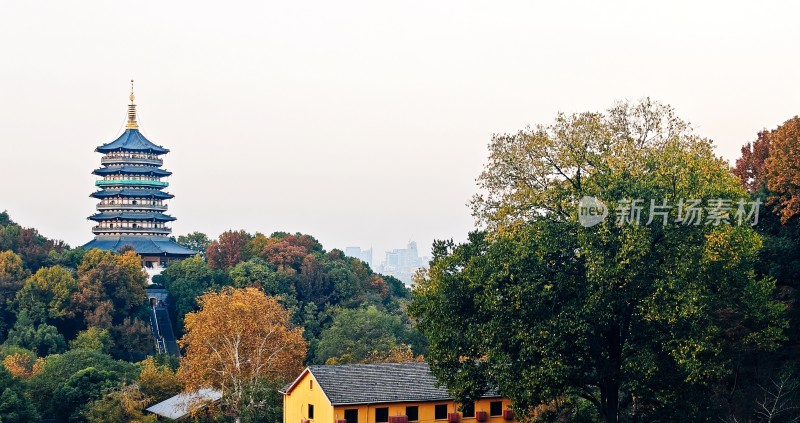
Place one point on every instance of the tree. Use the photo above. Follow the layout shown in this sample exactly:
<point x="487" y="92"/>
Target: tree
<point x="93" y="339"/>
<point x="363" y="335"/>
<point x="47" y="294"/>
<point x="396" y="354"/>
<point x="122" y="405"/>
<point x="780" y="256"/>
<point x="230" y="249"/>
<point x="35" y="248"/>
<point x="35" y="335"/>
<point x="240" y="342"/>
<point x="287" y="252"/>
<point x="65" y="383"/>
<point x="633" y="318"/>
<point x="252" y="273"/>
<point x="110" y="287"/>
<point x="19" y="364"/>
<point x="186" y="280"/>
<point x="133" y="339"/>
<point x="783" y="168"/>
<point x="751" y="167"/>
<point x="72" y="398"/>
<point x="12" y="274"/>
<point x="158" y="382"/>
<point x="15" y="404"/>
<point x="196" y="241"/>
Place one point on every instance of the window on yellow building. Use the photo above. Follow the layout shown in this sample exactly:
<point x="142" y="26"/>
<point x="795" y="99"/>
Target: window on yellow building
<point x="496" y="408"/>
<point x="468" y="409"/>
<point x="440" y="412"/>
<point x="382" y="415"/>
<point x="412" y="411"/>
<point x="351" y="415"/>
<point x="310" y="411"/>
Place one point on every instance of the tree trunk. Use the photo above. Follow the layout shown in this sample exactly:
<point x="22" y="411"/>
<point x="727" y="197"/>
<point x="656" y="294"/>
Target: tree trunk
<point x="609" y="401"/>
<point x="611" y="382"/>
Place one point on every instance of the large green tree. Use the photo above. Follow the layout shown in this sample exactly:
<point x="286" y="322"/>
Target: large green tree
<point x="65" y="383"/>
<point x="15" y="403"/>
<point x="47" y="294"/>
<point x="196" y="241"/>
<point x="355" y="335"/>
<point x="12" y="276"/>
<point x="633" y="315"/>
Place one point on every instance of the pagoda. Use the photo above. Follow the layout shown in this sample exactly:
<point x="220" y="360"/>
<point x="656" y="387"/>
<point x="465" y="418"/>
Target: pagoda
<point x="132" y="204"/>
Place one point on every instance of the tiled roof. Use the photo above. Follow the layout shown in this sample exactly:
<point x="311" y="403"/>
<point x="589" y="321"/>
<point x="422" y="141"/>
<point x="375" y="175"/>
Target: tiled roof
<point x="182" y="404"/>
<point x="380" y="383"/>
<point x="131" y="193"/>
<point x="161" y="217"/>
<point x="148" y="245"/>
<point x="131" y="140"/>
<point x="136" y="170"/>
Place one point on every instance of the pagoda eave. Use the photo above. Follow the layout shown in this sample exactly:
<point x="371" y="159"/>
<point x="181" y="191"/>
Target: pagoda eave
<point x="145" y="217"/>
<point x="138" y="193"/>
<point x="131" y="170"/>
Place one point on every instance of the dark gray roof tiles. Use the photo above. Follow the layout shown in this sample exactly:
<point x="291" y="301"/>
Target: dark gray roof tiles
<point x="146" y="245"/>
<point x="380" y="383"/>
<point x="135" y="170"/>
<point x="131" y="193"/>
<point x="131" y="140"/>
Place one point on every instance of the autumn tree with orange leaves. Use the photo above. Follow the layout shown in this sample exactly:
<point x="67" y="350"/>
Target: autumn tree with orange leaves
<point x="783" y="168"/>
<point x="772" y="162"/>
<point x="242" y="343"/>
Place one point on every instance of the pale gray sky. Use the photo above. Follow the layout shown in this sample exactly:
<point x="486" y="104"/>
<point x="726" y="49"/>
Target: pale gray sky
<point x="359" y="122"/>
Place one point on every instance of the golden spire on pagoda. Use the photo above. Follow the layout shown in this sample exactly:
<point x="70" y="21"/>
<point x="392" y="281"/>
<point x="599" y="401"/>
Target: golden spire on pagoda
<point x="132" y="112"/>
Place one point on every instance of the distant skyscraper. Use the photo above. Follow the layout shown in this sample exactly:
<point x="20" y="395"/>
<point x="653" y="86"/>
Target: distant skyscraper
<point x="357" y="252"/>
<point x="403" y="262"/>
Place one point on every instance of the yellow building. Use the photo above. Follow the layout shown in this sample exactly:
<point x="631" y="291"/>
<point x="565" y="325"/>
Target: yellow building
<point x="382" y="393"/>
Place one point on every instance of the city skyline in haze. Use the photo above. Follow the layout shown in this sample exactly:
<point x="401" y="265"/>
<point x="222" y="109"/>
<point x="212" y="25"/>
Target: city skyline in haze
<point x="359" y="123"/>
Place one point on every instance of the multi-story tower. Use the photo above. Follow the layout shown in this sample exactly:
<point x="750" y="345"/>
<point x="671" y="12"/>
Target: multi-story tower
<point x="132" y="198"/>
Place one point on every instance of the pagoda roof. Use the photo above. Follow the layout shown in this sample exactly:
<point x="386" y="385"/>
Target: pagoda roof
<point x="106" y="193"/>
<point x="132" y="216"/>
<point x="137" y="170"/>
<point x="143" y="245"/>
<point x="131" y="140"/>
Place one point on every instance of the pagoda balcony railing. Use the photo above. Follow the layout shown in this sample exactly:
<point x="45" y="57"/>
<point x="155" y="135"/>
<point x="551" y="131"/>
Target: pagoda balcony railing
<point x="115" y="230"/>
<point x="113" y="182"/>
<point x="137" y="160"/>
<point x="154" y="207"/>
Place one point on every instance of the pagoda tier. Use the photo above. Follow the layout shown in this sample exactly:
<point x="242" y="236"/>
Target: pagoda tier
<point x="132" y="200"/>
<point x="133" y="143"/>
<point x="140" y="193"/>
<point x="131" y="170"/>
<point x="133" y="216"/>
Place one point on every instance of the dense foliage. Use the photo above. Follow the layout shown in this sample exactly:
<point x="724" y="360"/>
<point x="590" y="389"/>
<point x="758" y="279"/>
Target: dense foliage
<point x="74" y="326"/>
<point x="314" y="284"/>
<point x="641" y="317"/>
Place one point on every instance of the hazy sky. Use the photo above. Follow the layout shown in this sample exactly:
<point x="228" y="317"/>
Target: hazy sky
<point x="359" y="122"/>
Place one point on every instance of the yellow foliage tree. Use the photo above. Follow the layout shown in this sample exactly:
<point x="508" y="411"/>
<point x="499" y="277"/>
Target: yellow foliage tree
<point x="238" y="343"/>
<point x="158" y="382"/>
<point x="19" y="364"/>
<point x="397" y="354"/>
<point x="122" y="405"/>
